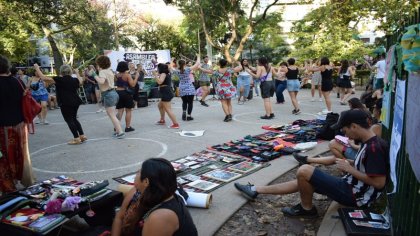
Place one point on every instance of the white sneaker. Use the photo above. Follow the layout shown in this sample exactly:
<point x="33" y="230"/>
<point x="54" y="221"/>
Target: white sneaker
<point x="46" y="122"/>
<point x="100" y="110"/>
<point x="320" y="100"/>
<point x="37" y="121"/>
<point x="313" y="100"/>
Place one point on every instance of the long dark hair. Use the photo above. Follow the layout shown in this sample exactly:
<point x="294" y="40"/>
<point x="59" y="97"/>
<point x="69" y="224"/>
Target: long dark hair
<point x="356" y="103"/>
<point x="264" y="62"/>
<point x="162" y="68"/>
<point x="344" y="66"/>
<point x="181" y="64"/>
<point x="325" y="61"/>
<point x="242" y="63"/>
<point x="162" y="183"/>
<point x="223" y="63"/>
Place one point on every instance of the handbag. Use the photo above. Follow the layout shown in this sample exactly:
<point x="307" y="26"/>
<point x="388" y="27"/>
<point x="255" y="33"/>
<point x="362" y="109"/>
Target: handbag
<point x="30" y="109"/>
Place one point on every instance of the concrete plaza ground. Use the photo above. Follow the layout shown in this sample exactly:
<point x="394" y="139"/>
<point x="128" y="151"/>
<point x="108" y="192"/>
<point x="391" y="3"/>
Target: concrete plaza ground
<point x="103" y="157"/>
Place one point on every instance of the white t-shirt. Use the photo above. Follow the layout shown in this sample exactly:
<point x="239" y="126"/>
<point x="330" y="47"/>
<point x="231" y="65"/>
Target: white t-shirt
<point x="108" y="75"/>
<point x="380" y="72"/>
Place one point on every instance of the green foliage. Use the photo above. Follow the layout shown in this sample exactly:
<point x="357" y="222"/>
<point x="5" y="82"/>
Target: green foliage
<point x="331" y="30"/>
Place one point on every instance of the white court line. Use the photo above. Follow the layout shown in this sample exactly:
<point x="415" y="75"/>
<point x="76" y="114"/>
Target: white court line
<point x="163" y="145"/>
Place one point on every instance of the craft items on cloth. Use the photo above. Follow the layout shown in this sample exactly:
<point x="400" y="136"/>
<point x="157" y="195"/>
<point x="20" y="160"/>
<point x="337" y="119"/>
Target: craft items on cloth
<point x="70" y="203"/>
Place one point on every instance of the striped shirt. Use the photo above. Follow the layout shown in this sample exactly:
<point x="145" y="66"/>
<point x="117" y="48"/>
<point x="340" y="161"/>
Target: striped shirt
<point x="372" y="159"/>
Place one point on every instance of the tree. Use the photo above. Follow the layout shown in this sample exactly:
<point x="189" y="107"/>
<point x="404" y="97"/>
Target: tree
<point x="331" y="30"/>
<point x="55" y="20"/>
<point x="227" y="24"/>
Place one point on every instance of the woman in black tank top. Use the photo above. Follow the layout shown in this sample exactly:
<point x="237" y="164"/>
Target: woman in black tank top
<point x="326" y="84"/>
<point x="153" y="203"/>
<point x="165" y="91"/>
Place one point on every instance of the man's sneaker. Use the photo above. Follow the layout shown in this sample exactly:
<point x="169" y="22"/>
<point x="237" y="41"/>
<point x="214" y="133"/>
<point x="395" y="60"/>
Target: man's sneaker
<point x="298" y="211"/>
<point x="161" y="122"/>
<point x="301" y="159"/>
<point x="129" y="129"/>
<point x="174" y="126"/>
<point x="203" y="103"/>
<point x="120" y="136"/>
<point x="246" y="191"/>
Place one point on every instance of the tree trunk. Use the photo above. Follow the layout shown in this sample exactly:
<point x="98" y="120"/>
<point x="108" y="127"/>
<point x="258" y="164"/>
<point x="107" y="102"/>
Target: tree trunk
<point x="58" y="58"/>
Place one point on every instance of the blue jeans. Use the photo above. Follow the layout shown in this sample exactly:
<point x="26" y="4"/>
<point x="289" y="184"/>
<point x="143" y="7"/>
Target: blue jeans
<point x="280" y="87"/>
<point x="257" y="86"/>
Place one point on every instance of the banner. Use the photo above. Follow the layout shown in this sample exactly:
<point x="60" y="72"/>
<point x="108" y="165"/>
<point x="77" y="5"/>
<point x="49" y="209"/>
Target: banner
<point x="386" y="108"/>
<point x="148" y="59"/>
<point x="397" y="128"/>
<point x="413" y="123"/>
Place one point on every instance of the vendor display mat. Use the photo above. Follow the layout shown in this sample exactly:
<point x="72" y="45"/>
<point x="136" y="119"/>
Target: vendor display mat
<point x="206" y="171"/>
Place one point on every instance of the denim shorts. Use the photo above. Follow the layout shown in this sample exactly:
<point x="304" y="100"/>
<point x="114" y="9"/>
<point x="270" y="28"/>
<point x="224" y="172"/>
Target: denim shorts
<point x="41" y="98"/>
<point x="110" y="98"/>
<point x="350" y="153"/>
<point x="334" y="187"/>
<point x="243" y="81"/>
<point x="293" y="85"/>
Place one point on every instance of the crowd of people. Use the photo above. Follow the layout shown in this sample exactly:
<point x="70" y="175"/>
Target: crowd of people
<point x="153" y="200"/>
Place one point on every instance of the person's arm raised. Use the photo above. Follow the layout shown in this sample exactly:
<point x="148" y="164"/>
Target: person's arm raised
<point x="132" y="82"/>
<point x="41" y="75"/>
<point x="197" y="64"/>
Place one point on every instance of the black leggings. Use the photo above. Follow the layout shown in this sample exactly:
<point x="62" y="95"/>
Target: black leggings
<point x="187" y="101"/>
<point x="70" y="116"/>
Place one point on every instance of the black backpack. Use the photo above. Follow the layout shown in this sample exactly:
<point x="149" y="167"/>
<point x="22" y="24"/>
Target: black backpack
<point x="326" y="133"/>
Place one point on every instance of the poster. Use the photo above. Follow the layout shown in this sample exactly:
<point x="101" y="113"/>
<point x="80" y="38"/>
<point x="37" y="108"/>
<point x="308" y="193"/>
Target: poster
<point x="386" y="107"/>
<point x="149" y="59"/>
<point x="397" y="128"/>
<point x="413" y="123"/>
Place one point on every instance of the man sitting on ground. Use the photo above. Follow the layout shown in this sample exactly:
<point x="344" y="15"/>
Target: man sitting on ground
<point x="362" y="184"/>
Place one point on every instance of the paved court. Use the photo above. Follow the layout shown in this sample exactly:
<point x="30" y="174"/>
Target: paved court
<point x="103" y="157"/>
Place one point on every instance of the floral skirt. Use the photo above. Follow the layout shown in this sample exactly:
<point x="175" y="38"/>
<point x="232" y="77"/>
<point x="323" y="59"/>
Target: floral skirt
<point x="225" y="90"/>
<point x="15" y="162"/>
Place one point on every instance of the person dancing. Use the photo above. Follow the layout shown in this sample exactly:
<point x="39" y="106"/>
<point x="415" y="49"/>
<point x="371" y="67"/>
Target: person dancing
<point x="109" y="95"/>
<point x="293" y="84"/>
<point x="204" y="81"/>
<point x="15" y="160"/>
<point x="186" y="87"/>
<point x="125" y="103"/>
<point x="281" y="83"/>
<point x="163" y="79"/>
<point x="265" y="73"/>
<point x="326" y="83"/>
<point x="224" y="86"/>
<point x="244" y="82"/>
<point x="344" y="83"/>
<point x="40" y="94"/>
<point x="68" y="99"/>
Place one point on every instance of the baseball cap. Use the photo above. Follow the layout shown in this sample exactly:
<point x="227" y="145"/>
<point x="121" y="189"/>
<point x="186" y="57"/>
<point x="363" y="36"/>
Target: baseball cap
<point x="356" y="116"/>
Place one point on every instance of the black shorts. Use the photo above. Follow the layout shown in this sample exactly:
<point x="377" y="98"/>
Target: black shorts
<point x="166" y="94"/>
<point x="267" y="89"/>
<point x="334" y="187"/>
<point x="344" y="83"/>
<point x="326" y="85"/>
<point x="125" y="100"/>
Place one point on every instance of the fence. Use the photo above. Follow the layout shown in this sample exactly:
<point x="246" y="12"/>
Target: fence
<point x="405" y="203"/>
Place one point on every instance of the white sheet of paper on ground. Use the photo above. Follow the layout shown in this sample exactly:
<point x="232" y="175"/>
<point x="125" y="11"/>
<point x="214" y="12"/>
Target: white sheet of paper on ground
<point x="305" y="146"/>
<point x="191" y="134"/>
<point x="129" y="178"/>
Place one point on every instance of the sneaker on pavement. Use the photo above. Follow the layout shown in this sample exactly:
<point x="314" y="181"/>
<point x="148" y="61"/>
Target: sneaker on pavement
<point x="120" y="136"/>
<point x="320" y="100"/>
<point x="100" y="110"/>
<point x="189" y="118"/>
<point x="129" y="129"/>
<point x="161" y="122"/>
<point x="45" y="122"/>
<point x="312" y="99"/>
<point x="246" y="190"/>
<point x="298" y="211"/>
<point x="174" y="126"/>
<point x="300" y="158"/>
<point x="204" y="103"/>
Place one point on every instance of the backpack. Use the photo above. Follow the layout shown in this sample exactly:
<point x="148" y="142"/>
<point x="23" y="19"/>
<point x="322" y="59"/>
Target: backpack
<point x="326" y="133"/>
<point x="30" y="108"/>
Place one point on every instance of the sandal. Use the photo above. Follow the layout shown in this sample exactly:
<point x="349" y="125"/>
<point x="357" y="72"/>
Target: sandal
<point x="82" y="138"/>
<point x="74" y="141"/>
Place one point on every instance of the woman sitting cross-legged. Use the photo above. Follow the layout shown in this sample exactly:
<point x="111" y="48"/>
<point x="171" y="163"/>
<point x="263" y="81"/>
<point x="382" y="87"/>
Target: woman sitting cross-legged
<point x="152" y="207"/>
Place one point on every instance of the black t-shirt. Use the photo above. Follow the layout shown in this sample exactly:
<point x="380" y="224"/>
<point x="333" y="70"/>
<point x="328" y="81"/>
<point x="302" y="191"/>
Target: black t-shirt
<point x="327" y="74"/>
<point x="186" y="224"/>
<point x="141" y="76"/>
<point x="66" y="89"/>
<point x="11" y="93"/>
